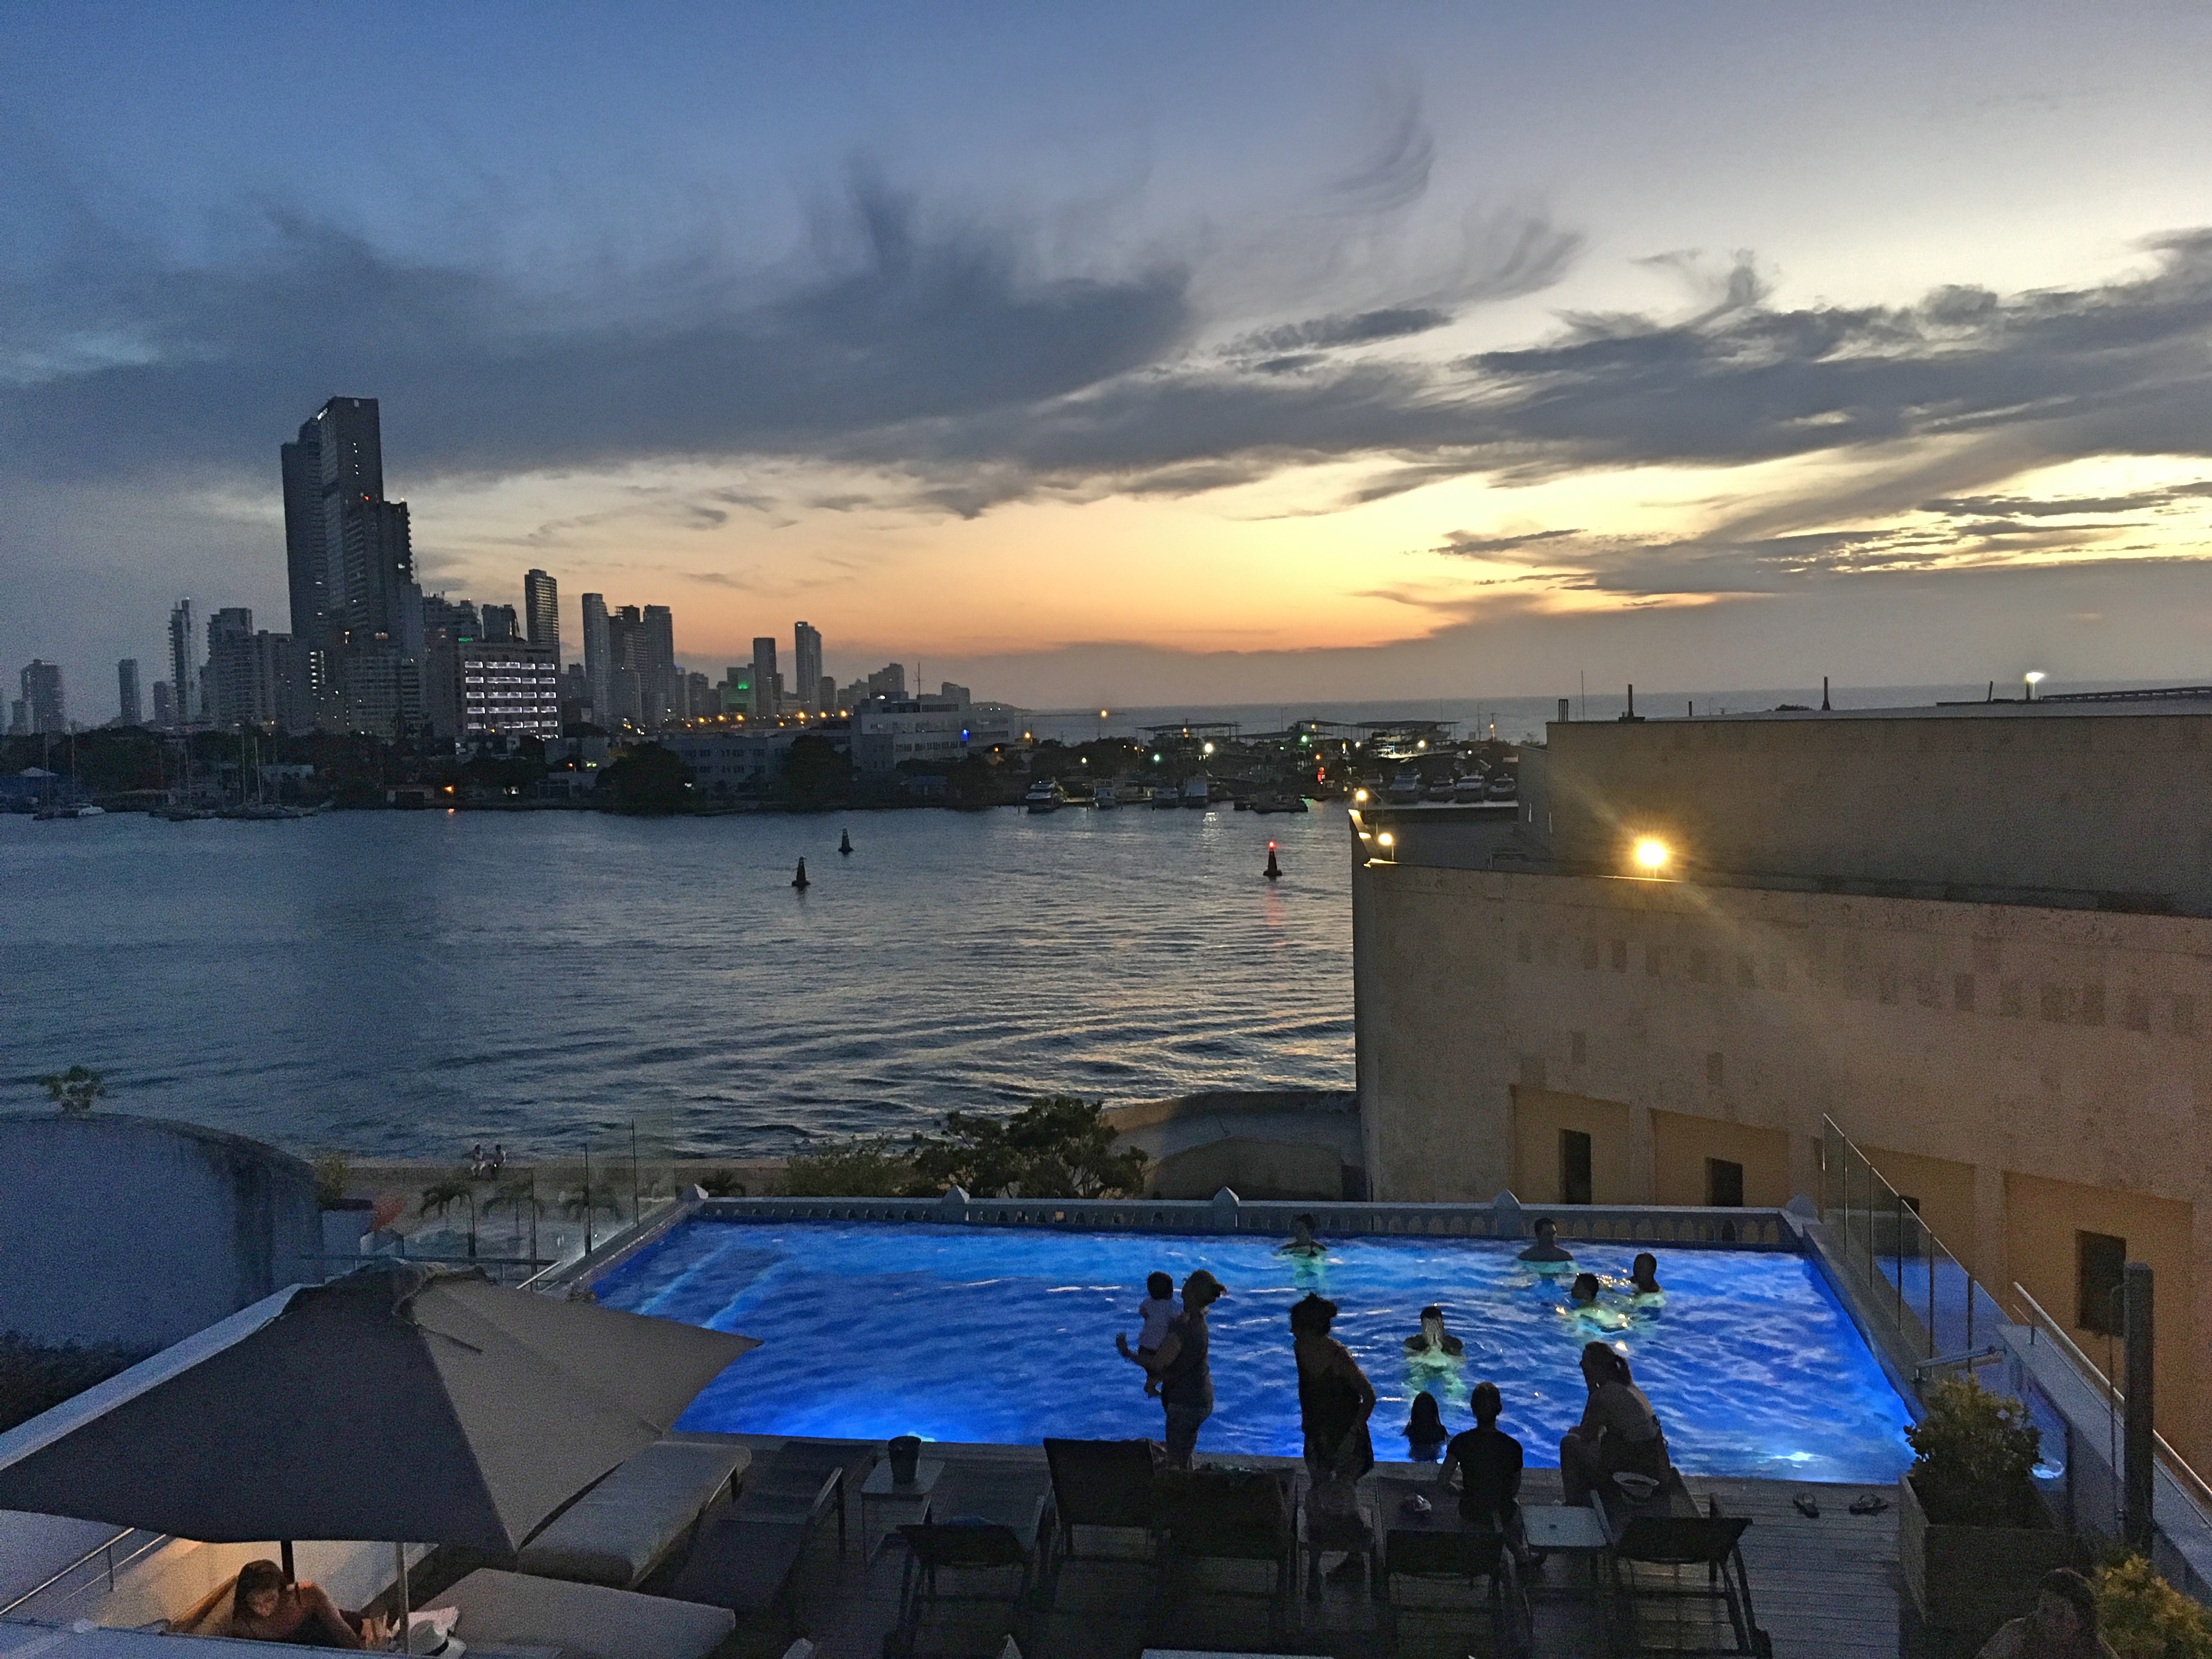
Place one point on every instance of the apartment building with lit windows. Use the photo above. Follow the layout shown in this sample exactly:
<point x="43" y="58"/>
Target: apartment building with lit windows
<point x="511" y="687"/>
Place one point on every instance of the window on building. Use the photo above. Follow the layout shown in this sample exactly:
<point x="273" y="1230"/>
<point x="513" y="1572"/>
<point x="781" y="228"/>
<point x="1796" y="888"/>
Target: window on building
<point x="1723" y="1184"/>
<point x="2101" y="1264"/>
<point x="1574" y="1167"/>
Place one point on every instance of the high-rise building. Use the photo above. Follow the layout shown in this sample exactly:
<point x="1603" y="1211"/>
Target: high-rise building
<point x="806" y="663"/>
<point x="510" y="687"/>
<point x="599" y="659"/>
<point x="184" y="672"/>
<point x="764" y="679"/>
<point x="42" y="698"/>
<point x="664" y="681"/>
<point x="541" y="611"/>
<point x="500" y="622"/>
<point x="377" y="559"/>
<point x="349" y="553"/>
<point x="165" y="704"/>
<point x="825" y="695"/>
<point x="129" y="712"/>
<point x="889" y="682"/>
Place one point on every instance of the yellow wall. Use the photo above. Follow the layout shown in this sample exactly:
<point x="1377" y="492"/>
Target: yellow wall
<point x="1946" y="1191"/>
<point x="1539" y="1114"/>
<point x="2041" y="1219"/>
<point x="1680" y="1145"/>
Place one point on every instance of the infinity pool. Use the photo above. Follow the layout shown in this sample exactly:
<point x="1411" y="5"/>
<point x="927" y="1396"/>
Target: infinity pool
<point x="1007" y="1335"/>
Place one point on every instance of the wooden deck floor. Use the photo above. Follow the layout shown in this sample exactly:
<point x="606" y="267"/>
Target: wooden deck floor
<point x="1825" y="1589"/>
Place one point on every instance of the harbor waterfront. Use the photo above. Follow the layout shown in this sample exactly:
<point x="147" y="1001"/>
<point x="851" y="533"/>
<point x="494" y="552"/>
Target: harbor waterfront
<point x="403" y="985"/>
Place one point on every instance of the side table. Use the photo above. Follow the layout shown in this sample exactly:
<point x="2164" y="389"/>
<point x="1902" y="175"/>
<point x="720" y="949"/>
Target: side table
<point x="902" y="1504"/>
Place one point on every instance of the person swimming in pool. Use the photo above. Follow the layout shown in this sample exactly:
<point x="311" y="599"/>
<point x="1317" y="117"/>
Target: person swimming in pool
<point x="1643" y="1276"/>
<point x="1432" y="1342"/>
<point x="1545" y="1255"/>
<point x="1302" y="1241"/>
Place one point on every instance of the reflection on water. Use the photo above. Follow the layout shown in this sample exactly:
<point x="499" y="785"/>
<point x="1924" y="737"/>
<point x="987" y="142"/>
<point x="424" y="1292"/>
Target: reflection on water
<point x="408" y="983"/>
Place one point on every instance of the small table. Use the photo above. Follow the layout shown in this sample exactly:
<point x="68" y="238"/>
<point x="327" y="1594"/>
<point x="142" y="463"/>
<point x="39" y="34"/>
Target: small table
<point x="1558" y="1527"/>
<point x="907" y="1503"/>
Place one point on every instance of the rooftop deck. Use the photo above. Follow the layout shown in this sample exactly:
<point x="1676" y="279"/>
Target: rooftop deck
<point x="1824" y="1587"/>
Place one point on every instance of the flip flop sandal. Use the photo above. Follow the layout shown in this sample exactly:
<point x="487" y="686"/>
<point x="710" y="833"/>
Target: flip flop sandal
<point x="1871" y="1505"/>
<point x="1806" y="1507"/>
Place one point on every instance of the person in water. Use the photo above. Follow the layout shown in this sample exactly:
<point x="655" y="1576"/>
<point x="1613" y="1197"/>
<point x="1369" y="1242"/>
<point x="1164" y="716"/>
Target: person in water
<point x="1302" y="1241"/>
<point x="1487" y="1462"/>
<point x="1432" y="1340"/>
<point x="1179" y="1365"/>
<point x="265" y="1608"/>
<point x="1335" y="1399"/>
<point x="1546" y="1247"/>
<point x="1619" y="1433"/>
<point x="1582" y="1293"/>
<point x="1643" y="1275"/>
<point x="1157" y="1312"/>
<point x="2062" y="1626"/>
<point x="1424" y="1430"/>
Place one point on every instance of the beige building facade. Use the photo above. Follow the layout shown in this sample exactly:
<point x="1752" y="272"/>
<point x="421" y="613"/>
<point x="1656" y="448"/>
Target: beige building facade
<point x="2033" y="1073"/>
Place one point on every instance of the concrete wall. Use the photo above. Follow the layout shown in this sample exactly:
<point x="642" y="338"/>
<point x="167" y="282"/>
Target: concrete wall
<point x="135" y="1232"/>
<point x="2118" y="803"/>
<point x="1993" y="1046"/>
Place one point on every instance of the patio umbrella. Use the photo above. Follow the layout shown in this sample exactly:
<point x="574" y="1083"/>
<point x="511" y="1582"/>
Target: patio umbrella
<point x="399" y="1402"/>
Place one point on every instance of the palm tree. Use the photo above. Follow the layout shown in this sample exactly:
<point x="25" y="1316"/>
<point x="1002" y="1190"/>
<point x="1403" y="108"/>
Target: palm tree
<point x="75" y="1090"/>
<point x="442" y="1195"/>
<point x="517" y="1194"/>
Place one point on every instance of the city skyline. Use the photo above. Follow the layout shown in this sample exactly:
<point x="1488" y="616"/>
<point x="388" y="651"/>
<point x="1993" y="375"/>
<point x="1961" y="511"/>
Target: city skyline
<point x="1196" y="361"/>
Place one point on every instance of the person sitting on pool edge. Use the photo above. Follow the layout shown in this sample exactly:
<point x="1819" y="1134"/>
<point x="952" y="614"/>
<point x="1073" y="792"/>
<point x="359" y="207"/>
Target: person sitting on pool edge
<point x="1488" y="1462"/>
<point x="1432" y="1340"/>
<point x="264" y="1608"/>
<point x="1619" y="1433"/>
<point x="1643" y="1275"/>
<point x="1546" y="1247"/>
<point x="1186" y="1380"/>
<point x="1425" y="1429"/>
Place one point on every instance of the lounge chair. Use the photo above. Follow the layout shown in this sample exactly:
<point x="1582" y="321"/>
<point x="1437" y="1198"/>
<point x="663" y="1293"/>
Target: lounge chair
<point x="617" y="1533"/>
<point x="583" y="1621"/>
<point x="1468" y="1555"/>
<point x="1673" y="1542"/>
<point x="1102" y="1486"/>
<point x="987" y="1524"/>
<point x="744" y="1558"/>
<point x="1233" y="1515"/>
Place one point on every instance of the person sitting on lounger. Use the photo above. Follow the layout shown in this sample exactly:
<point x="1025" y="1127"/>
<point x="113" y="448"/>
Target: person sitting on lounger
<point x="1487" y="1462"/>
<point x="1546" y="1251"/>
<point x="264" y="1608"/>
<point x="1619" y="1433"/>
<point x="1432" y="1342"/>
<point x="1643" y="1275"/>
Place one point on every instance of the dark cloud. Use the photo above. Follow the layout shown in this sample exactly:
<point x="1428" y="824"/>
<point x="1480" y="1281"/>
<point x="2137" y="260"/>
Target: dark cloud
<point x="1470" y="545"/>
<point x="1324" y="332"/>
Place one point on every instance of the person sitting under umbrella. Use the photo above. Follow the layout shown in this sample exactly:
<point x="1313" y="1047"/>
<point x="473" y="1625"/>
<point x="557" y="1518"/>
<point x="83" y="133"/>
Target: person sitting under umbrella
<point x="264" y="1608"/>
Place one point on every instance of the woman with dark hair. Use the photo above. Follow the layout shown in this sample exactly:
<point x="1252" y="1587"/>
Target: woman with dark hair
<point x="265" y="1608"/>
<point x="1335" y="1399"/>
<point x="2062" y="1626"/>
<point x="1619" y="1433"/>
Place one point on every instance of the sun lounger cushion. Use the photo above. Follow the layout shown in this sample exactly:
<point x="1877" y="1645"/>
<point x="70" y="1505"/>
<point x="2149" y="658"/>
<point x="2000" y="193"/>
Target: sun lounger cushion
<point x="584" y="1621"/>
<point x="615" y="1532"/>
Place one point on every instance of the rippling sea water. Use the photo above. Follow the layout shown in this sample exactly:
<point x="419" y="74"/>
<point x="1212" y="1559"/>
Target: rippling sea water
<point x="404" y="984"/>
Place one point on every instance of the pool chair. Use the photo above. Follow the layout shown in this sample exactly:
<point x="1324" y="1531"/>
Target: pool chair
<point x="1450" y="1555"/>
<point x="582" y="1621"/>
<point x="1102" y="1486"/>
<point x="983" y="1553"/>
<point x="621" y="1529"/>
<point x="1651" y="1555"/>
<point x="1232" y="1515"/>
<point x="746" y="1558"/>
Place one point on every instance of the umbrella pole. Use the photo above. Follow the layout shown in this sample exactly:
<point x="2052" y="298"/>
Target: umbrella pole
<point x="399" y="1554"/>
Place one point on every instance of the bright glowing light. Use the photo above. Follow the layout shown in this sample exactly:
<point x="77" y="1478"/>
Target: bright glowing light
<point x="1423" y="743"/>
<point x="1102" y="713"/>
<point x="1209" y="748"/>
<point x="1651" y="854"/>
<point x="1360" y="796"/>
<point x="2034" y="676"/>
<point x="1384" y="838"/>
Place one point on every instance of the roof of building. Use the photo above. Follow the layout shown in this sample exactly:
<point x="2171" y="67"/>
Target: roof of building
<point x="2161" y="700"/>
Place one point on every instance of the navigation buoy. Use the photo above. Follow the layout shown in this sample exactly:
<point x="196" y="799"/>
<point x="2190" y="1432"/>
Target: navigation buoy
<point x="1274" y="870"/>
<point x="845" y="842"/>
<point x="800" y="880"/>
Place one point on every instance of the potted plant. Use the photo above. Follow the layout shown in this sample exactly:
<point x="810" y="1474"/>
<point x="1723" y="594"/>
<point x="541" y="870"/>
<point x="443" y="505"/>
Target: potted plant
<point x="2140" y="1616"/>
<point x="1972" y="1536"/>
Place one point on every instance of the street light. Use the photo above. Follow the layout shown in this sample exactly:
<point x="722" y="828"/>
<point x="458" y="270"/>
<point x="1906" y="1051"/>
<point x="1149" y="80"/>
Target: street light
<point x="2034" y="677"/>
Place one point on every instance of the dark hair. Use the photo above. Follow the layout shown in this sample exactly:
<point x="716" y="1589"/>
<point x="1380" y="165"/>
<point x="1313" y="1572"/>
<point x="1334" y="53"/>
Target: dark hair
<point x="1313" y="1314"/>
<point x="2071" y="1587"/>
<point x="1636" y="1266"/>
<point x="1484" y="1400"/>
<point x="1307" y="1221"/>
<point x="1433" y="1312"/>
<point x="1160" y="1286"/>
<point x="1425" y="1415"/>
<point x="1543" y="1221"/>
<point x="1609" y="1363"/>
<point x="1584" y="1285"/>
<point x="254" y="1577"/>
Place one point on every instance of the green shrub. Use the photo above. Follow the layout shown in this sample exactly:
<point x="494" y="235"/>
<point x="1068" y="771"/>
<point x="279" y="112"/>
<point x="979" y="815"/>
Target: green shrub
<point x="2143" y="1617"/>
<point x="722" y="1183"/>
<point x="1974" y="1454"/>
<point x="1058" y="1146"/>
<point x="856" y="1168"/>
<point x="333" y="1175"/>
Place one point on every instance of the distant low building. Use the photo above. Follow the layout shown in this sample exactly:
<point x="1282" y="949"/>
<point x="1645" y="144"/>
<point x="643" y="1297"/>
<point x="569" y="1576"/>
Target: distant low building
<point x="936" y="730"/>
<point x="739" y="762"/>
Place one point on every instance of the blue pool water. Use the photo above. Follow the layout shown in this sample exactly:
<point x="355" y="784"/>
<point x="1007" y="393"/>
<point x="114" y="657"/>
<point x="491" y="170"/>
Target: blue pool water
<point x="1007" y="1335"/>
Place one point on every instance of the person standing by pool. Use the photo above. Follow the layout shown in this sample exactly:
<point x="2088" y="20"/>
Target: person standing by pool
<point x="1186" y="1382"/>
<point x="1157" y="1310"/>
<point x="1335" y="1399"/>
<point x="1619" y="1433"/>
<point x="1546" y="1250"/>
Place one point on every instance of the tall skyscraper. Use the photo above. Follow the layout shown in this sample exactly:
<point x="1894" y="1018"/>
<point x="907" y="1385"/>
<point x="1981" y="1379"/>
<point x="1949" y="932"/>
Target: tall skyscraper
<point x="806" y="663"/>
<point x="42" y="698"/>
<point x="129" y="711"/>
<point x="349" y="553"/>
<point x="184" y="672"/>
<point x="764" y="677"/>
<point x="599" y="659"/>
<point x="663" y="681"/>
<point x="500" y="623"/>
<point x="541" y="611"/>
<point x="165" y="705"/>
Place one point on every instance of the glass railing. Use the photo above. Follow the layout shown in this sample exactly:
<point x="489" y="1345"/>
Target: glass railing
<point x="1905" y="1272"/>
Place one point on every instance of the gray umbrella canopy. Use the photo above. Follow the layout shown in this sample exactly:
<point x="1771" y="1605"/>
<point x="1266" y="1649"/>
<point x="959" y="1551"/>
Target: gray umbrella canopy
<point x="399" y="1402"/>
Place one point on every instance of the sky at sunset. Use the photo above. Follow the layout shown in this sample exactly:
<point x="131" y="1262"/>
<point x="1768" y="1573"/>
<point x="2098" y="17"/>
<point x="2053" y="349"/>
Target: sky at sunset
<point x="1139" y="353"/>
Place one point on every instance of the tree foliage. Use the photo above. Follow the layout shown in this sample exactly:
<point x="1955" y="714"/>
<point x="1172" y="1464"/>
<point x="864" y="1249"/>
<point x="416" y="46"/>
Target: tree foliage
<point x="854" y="1168"/>
<point x="649" y="779"/>
<point x="1058" y="1146"/>
<point x="815" y="774"/>
<point x="74" y="1090"/>
<point x="1974" y="1452"/>
<point x="2143" y="1617"/>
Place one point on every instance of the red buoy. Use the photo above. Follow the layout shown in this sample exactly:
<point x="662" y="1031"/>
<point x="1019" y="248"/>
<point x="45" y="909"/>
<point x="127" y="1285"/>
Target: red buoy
<point x="1274" y="870"/>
